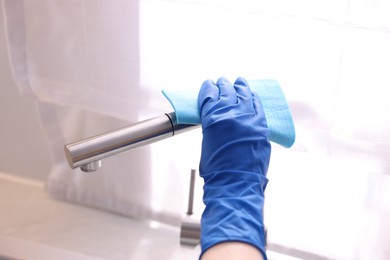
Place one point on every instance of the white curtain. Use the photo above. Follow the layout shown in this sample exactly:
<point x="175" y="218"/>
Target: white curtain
<point x="96" y="65"/>
<point x="80" y="61"/>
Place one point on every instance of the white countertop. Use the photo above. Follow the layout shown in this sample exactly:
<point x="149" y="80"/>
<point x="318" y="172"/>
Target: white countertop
<point x="49" y="229"/>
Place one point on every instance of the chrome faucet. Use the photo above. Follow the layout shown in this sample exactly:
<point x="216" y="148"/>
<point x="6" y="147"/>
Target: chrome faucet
<point x="88" y="153"/>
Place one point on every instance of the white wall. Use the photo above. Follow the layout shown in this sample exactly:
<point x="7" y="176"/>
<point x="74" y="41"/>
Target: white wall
<point x="23" y="150"/>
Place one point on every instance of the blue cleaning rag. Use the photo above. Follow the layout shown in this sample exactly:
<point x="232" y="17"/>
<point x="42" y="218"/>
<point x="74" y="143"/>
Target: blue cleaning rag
<point x="276" y="109"/>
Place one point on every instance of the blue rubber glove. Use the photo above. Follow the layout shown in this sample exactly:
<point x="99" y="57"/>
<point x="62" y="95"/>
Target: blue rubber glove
<point x="234" y="163"/>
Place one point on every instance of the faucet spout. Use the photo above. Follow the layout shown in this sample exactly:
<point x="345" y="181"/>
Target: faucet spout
<point x="87" y="153"/>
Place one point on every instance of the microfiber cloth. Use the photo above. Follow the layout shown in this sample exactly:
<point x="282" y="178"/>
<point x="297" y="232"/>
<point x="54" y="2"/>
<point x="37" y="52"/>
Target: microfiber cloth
<point x="276" y="109"/>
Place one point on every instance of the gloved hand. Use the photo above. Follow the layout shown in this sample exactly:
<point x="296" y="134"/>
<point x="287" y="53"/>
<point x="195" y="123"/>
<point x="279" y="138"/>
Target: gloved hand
<point x="234" y="163"/>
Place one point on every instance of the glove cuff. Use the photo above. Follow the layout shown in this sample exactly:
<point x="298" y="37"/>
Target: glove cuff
<point x="234" y="209"/>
